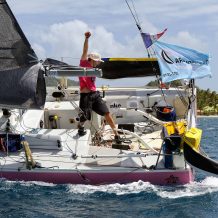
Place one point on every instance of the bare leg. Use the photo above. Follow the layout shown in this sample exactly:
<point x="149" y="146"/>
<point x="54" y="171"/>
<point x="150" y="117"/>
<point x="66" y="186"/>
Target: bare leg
<point x="110" y="121"/>
<point x="80" y="124"/>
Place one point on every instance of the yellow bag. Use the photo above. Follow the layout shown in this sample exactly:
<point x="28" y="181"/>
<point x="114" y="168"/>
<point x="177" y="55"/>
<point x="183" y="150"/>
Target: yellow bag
<point x="175" y="127"/>
<point x="193" y="138"/>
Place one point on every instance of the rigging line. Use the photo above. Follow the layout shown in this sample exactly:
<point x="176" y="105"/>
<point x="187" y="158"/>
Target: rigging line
<point x="22" y="124"/>
<point x="69" y="149"/>
<point x="82" y="175"/>
<point x="137" y="24"/>
<point x="181" y="96"/>
<point x="103" y="162"/>
<point x="17" y="161"/>
<point x="55" y="161"/>
<point x="135" y="12"/>
<point x="13" y="127"/>
<point x="79" y="110"/>
<point x="163" y="94"/>
<point x="152" y="51"/>
<point x="139" y="27"/>
<point x="76" y="107"/>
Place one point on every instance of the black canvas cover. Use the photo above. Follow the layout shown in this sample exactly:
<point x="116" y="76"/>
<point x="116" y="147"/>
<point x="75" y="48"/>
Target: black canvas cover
<point x="15" y="50"/>
<point x="22" y="84"/>
<point x="117" y="68"/>
<point x="22" y="88"/>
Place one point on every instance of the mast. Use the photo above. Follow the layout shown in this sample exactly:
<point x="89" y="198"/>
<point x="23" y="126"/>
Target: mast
<point x="135" y="17"/>
<point x="137" y="24"/>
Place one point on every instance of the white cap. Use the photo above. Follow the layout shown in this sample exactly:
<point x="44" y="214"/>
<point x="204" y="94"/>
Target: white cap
<point x="95" y="56"/>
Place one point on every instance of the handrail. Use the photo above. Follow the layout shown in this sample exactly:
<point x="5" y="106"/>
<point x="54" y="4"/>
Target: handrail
<point x="74" y="72"/>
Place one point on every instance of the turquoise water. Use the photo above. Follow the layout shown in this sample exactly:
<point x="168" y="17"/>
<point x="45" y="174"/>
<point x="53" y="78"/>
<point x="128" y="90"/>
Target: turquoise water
<point x="138" y="199"/>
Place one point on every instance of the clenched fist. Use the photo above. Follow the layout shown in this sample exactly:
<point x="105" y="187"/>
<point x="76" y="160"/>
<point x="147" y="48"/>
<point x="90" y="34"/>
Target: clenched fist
<point x="87" y="34"/>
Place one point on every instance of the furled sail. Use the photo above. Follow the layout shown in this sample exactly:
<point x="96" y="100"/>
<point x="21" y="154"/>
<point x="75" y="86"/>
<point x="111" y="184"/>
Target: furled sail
<point x="15" y="50"/>
<point x="117" y="68"/>
<point x="22" y="84"/>
<point x="23" y="87"/>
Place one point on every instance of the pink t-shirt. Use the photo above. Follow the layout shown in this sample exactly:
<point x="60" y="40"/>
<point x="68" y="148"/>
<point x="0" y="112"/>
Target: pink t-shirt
<point x="84" y="81"/>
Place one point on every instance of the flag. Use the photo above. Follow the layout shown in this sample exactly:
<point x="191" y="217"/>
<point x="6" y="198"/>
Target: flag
<point x="177" y="62"/>
<point x="150" y="39"/>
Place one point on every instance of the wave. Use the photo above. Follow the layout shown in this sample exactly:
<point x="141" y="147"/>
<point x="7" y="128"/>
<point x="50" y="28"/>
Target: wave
<point x="7" y="184"/>
<point x="208" y="185"/>
<point x="118" y="189"/>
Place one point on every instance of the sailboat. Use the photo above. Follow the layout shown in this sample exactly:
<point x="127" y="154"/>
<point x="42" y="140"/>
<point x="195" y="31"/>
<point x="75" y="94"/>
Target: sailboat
<point x="39" y="139"/>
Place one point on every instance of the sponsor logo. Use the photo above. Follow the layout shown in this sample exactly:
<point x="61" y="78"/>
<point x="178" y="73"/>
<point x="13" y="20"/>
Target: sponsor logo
<point x="115" y="105"/>
<point x="179" y="60"/>
<point x="166" y="57"/>
<point x="172" y="179"/>
<point x="170" y="74"/>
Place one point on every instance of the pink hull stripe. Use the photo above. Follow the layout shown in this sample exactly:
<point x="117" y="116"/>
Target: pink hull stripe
<point x="154" y="177"/>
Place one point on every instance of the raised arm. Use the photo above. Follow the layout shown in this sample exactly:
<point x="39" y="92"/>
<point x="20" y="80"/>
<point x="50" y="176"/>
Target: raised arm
<point x="85" y="46"/>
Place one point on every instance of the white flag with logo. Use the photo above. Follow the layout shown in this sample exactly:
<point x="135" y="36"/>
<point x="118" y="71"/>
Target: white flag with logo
<point x="177" y="62"/>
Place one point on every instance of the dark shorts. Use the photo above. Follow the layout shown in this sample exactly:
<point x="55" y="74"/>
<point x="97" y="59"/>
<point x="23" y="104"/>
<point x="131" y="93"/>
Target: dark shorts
<point x="91" y="102"/>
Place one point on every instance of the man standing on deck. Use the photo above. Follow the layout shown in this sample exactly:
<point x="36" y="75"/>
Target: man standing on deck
<point x="90" y="99"/>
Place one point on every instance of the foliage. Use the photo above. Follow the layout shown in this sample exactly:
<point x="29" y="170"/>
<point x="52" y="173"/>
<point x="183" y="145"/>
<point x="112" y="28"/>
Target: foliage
<point x="207" y="101"/>
<point x="175" y="83"/>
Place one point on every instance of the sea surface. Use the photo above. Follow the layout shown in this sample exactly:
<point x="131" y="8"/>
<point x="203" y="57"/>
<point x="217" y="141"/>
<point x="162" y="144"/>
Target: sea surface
<point x="138" y="199"/>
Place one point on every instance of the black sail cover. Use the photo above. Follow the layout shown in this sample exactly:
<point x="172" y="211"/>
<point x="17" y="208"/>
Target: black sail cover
<point x="22" y="88"/>
<point x="22" y="84"/>
<point x="117" y="68"/>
